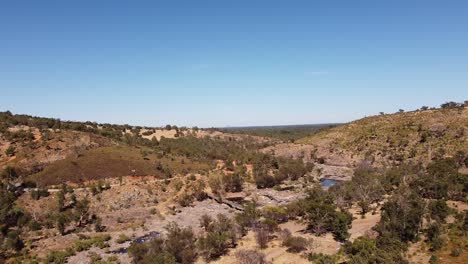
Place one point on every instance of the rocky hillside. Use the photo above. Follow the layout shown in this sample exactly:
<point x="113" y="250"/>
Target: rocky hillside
<point x="418" y="136"/>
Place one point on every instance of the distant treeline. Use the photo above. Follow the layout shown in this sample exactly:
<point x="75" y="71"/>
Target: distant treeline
<point x="285" y="133"/>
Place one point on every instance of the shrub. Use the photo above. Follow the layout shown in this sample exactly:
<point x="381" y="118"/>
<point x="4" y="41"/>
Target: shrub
<point x="198" y="189"/>
<point x="232" y="182"/>
<point x="185" y="199"/>
<point x="98" y="227"/>
<point x="366" y="250"/>
<point x="434" y="260"/>
<point x="122" y="239"/>
<point x="322" y="258"/>
<point x="433" y="237"/>
<point x="262" y="236"/>
<point x="263" y="180"/>
<point x="10" y="151"/>
<point x="59" y="257"/>
<point x="340" y="225"/>
<point x="276" y="213"/>
<point x="296" y="244"/>
<point x="248" y="217"/>
<point x="220" y="235"/>
<point x="9" y="173"/>
<point x="180" y="242"/>
<point x="159" y="258"/>
<point x="456" y="252"/>
<point x="321" y="215"/>
<point x="13" y="241"/>
<point x="40" y="192"/>
<point x="403" y="203"/>
<point x="87" y="243"/>
<point x="244" y="256"/>
<point x="438" y="210"/>
<point x="205" y="221"/>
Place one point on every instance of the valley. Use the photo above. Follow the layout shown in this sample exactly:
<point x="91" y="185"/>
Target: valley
<point x="391" y="188"/>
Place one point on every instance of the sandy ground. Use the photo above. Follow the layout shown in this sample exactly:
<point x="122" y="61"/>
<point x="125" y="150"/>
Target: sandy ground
<point x="416" y="255"/>
<point x="274" y="253"/>
<point x="362" y="226"/>
<point x="158" y="133"/>
<point x="457" y="205"/>
<point x="188" y="217"/>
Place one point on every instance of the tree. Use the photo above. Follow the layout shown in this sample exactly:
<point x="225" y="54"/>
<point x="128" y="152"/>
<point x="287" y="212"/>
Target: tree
<point x="319" y="211"/>
<point x="247" y="218"/>
<point x="61" y="223"/>
<point x="232" y="182"/>
<point x="292" y="169"/>
<point x="433" y="234"/>
<point x="438" y="210"/>
<point x="177" y="247"/>
<point x="402" y="216"/>
<point x="6" y="205"/>
<point x="219" y="236"/>
<point x="365" y="250"/>
<point x="449" y="105"/>
<point x="366" y="188"/>
<point x="340" y="225"/>
<point x="81" y="212"/>
<point x="180" y="242"/>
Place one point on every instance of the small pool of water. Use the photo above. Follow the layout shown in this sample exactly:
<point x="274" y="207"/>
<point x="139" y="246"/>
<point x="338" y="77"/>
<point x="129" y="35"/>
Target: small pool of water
<point x="327" y="182"/>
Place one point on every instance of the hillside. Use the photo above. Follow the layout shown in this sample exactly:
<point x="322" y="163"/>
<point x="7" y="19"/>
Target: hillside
<point x="76" y="192"/>
<point x="289" y="133"/>
<point x="418" y="136"/>
<point x="49" y="151"/>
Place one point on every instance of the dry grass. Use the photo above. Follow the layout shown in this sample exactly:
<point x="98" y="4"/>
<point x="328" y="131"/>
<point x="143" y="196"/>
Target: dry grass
<point x="110" y="162"/>
<point x="398" y="136"/>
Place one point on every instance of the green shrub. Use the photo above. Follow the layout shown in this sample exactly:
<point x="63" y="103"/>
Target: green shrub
<point x="279" y="214"/>
<point x="122" y="239"/>
<point x="296" y="244"/>
<point x="10" y="151"/>
<point x="220" y="235"/>
<point x="59" y="257"/>
<point x="322" y="258"/>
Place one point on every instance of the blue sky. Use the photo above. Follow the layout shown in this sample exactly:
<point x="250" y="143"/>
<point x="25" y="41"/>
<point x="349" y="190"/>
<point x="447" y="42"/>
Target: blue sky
<point x="230" y="63"/>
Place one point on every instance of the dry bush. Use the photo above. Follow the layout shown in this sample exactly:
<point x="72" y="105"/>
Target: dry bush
<point x="296" y="244"/>
<point x="262" y="236"/>
<point x="244" y="256"/>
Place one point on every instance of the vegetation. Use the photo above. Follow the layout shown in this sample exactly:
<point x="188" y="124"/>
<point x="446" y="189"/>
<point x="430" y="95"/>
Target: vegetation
<point x="414" y="170"/>
<point x="417" y="136"/>
<point x="177" y="247"/>
<point x="284" y="133"/>
<point x="219" y="236"/>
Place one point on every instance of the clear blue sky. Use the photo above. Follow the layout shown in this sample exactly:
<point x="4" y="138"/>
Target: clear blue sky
<point x="219" y="63"/>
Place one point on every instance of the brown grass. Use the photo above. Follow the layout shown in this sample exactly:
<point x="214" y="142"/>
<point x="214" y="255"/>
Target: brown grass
<point x="110" y="162"/>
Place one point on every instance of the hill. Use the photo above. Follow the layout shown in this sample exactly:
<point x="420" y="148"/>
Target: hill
<point x="50" y="151"/>
<point x="418" y="136"/>
<point x="288" y="133"/>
